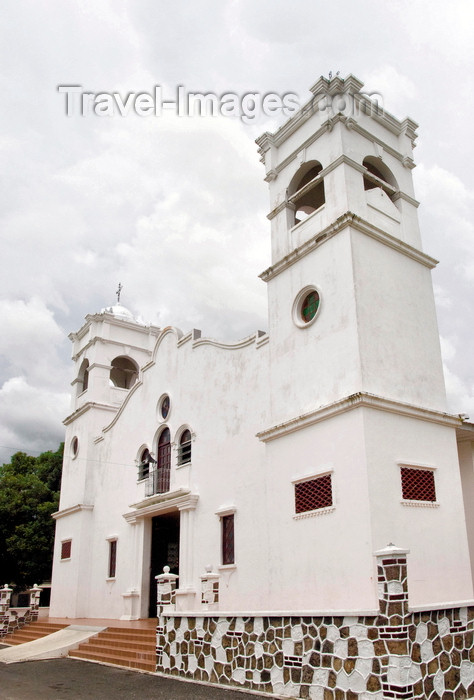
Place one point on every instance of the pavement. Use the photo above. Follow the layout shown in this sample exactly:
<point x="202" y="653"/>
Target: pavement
<point x="71" y="679"/>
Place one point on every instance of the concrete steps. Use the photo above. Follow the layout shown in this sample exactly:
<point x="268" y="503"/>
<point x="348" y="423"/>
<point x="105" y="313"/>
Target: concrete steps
<point x="131" y="648"/>
<point x="30" y="632"/>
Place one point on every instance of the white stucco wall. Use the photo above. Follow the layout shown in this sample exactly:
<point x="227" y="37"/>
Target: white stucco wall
<point x="318" y="364"/>
<point x="324" y="561"/>
<point x="439" y="568"/>
<point x="205" y="384"/>
<point x="466" y="463"/>
<point x="355" y="393"/>
<point x="397" y="327"/>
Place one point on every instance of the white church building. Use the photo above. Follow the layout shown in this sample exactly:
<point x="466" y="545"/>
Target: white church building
<point x="306" y="486"/>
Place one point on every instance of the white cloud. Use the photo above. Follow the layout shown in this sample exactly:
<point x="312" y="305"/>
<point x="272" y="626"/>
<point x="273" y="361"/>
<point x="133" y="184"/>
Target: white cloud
<point x="396" y="89"/>
<point x="175" y="208"/>
<point x="444" y="28"/>
<point x="448" y="349"/>
<point x="30" y="418"/>
<point x="447" y="215"/>
<point x="29" y="340"/>
<point x="442" y="298"/>
<point x="198" y="253"/>
<point x="443" y="192"/>
<point x="460" y="396"/>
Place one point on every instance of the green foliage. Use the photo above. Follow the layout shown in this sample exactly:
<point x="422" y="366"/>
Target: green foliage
<point x="29" y="494"/>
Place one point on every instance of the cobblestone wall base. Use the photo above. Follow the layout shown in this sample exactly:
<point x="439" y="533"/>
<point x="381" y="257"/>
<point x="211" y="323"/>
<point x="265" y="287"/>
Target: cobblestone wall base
<point x="325" y="658"/>
<point x="395" y="654"/>
<point x="14" y="619"/>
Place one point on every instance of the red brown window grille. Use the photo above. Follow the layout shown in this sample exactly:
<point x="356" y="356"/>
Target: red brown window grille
<point x="228" y="556"/>
<point x="184" y="450"/>
<point x="313" y="494"/>
<point x="418" y="484"/>
<point x="164" y="463"/>
<point x="66" y="549"/>
<point x="144" y="466"/>
<point x="112" y="557"/>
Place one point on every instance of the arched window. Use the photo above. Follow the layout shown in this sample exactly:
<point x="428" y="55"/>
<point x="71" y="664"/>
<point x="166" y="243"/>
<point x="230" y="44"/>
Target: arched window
<point x="123" y="372"/>
<point x="163" y="466"/>
<point x="184" y="449"/>
<point x="83" y="376"/>
<point x="378" y="175"/>
<point x="144" y="464"/>
<point x="306" y="190"/>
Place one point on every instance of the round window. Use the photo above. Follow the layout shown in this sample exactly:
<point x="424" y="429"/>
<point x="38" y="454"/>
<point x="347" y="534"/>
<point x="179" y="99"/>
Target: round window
<point x="306" y="307"/>
<point x="309" y="307"/>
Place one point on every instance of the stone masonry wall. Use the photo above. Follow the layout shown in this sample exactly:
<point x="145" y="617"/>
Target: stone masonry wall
<point x="14" y="619"/>
<point x="396" y="654"/>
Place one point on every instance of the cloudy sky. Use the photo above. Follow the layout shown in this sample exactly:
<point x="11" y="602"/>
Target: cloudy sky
<point x="174" y="207"/>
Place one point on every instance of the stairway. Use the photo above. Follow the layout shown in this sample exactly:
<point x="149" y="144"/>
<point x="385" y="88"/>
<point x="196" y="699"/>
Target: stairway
<point x="30" y="632"/>
<point x="121" y="646"/>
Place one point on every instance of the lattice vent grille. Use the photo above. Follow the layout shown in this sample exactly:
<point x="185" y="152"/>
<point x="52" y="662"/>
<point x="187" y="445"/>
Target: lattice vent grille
<point x="66" y="549"/>
<point x="418" y="484"/>
<point x="313" y="494"/>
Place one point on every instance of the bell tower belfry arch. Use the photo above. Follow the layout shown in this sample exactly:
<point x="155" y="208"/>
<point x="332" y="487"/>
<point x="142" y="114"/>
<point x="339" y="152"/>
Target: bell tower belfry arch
<point x="357" y="386"/>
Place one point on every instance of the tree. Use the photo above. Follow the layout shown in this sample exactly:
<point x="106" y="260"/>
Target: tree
<point x="29" y="494"/>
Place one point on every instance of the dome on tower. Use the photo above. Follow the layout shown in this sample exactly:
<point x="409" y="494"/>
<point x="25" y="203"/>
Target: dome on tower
<point x="120" y="312"/>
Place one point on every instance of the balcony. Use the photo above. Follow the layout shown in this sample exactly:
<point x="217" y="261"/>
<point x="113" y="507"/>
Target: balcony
<point x="158" y="480"/>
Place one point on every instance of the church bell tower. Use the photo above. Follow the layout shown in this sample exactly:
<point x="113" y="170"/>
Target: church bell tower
<point x="357" y="386"/>
<point x="345" y="235"/>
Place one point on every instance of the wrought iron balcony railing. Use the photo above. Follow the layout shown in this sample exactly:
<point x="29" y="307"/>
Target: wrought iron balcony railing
<point x="158" y="480"/>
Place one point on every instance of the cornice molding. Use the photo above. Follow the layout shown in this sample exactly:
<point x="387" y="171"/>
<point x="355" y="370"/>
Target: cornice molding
<point x="465" y="432"/>
<point x="70" y="511"/>
<point x="100" y="339"/>
<point x="340" y="160"/>
<point x="246" y="613"/>
<point x="314" y="513"/>
<point x="274" y="212"/>
<point x="259" y="338"/>
<point x="271" y="140"/>
<point x="121" y="408"/>
<point x="87" y="407"/>
<point x="262" y="340"/>
<point x="349" y="219"/>
<point x="245" y="342"/>
<point x="169" y="330"/>
<point x="226" y="510"/>
<point x="406" y="197"/>
<point x="113" y="321"/>
<point x="420" y="504"/>
<point x="392" y="550"/>
<point x="349" y="403"/>
<point x="328" y="125"/>
<point x="193" y="335"/>
<point x="99" y="365"/>
<point x="351" y="123"/>
<point x="182" y="499"/>
<point x="347" y="161"/>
